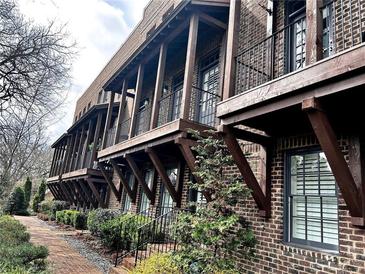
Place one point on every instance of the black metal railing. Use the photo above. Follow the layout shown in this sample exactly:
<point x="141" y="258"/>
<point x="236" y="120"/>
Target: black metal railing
<point x="152" y="226"/>
<point x="110" y="135"/>
<point x="285" y="50"/>
<point x="169" y="107"/>
<point x="203" y="105"/>
<point x="124" y="130"/>
<point x="142" y="120"/>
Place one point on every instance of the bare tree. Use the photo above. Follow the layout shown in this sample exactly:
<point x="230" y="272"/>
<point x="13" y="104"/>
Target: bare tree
<point x="35" y="64"/>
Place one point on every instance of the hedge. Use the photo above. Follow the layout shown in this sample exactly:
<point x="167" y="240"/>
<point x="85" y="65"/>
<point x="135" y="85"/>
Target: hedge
<point x="99" y="216"/>
<point x="72" y="217"/>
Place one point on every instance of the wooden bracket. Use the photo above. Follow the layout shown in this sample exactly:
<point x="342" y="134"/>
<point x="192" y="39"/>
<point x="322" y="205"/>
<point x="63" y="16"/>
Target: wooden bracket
<point x="211" y="21"/>
<point x="163" y="175"/>
<point x="138" y="174"/>
<point x="109" y="181"/>
<point x="123" y="181"/>
<point x="340" y="169"/>
<point x="185" y="148"/>
<point x="263" y="200"/>
<point x="70" y="187"/>
<point x="95" y="192"/>
<point x="67" y="193"/>
<point x="80" y="192"/>
<point x="51" y="189"/>
<point x="59" y="191"/>
<point x="88" y="194"/>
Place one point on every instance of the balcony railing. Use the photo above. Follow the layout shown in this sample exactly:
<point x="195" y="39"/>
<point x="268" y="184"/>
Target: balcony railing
<point x="169" y="107"/>
<point x="110" y="136"/>
<point x="143" y="120"/>
<point x="285" y="50"/>
<point x="124" y="130"/>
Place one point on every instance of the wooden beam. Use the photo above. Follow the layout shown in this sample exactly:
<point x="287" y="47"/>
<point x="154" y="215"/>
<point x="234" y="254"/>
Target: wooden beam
<point x="123" y="180"/>
<point x="96" y="138"/>
<point x="67" y="193"/>
<point x="109" y="181"/>
<point x="51" y="173"/>
<point x="80" y="192"/>
<point x="329" y="144"/>
<point x="74" y="150"/>
<point x="139" y="176"/>
<point x="232" y="46"/>
<point x="70" y="140"/>
<point x="243" y="166"/>
<point x="159" y="85"/>
<point x="163" y="175"/>
<point x="136" y="99"/>
<point x="80" y="146"/>
<point x="59" y="191"/>
<point x="247" y="135"/>
<point x="122" y="102"/>
<point x="54" y="193"/>
<point x="70" y="188"/>
<point x="211" y="21"/>
<point x="95" y="192"/>
<point x="314" y="29"/>
<point x="190" y="161"/>
<point x="189" y="66"/>
<point x="108" y="118"/>
<point x="62" y="156"/>
<point x="87" y="142"/>
<point x="87" y="193"/>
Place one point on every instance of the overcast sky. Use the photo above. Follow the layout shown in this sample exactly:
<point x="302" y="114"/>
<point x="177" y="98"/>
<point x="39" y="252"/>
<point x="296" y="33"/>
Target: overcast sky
<point x="98" y="26"/>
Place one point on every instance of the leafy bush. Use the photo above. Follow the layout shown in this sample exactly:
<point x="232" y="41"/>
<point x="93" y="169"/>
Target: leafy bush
<point x="16" y="203"/>
<point x="39" y="196"/>
<point x="99" y="216"/>
<point x="27" y="191"/>
<point x="158" y="263"/>
<point x="58" y="206"/>
<point x="17" y="254"/>
<point x="72" y="217"/>
<point x="45" y="206"/>
<point x="43" y="217"/>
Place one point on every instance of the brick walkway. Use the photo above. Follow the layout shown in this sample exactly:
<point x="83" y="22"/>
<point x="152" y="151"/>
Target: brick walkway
<point x="63" y="259"/>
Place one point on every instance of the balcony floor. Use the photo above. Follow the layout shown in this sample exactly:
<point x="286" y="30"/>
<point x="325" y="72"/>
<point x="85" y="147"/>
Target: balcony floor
<point x="160" y="135"/>
<point x="343" y="71"/>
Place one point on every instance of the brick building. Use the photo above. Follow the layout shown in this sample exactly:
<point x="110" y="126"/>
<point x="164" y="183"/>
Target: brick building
<point x="280" y="80"/>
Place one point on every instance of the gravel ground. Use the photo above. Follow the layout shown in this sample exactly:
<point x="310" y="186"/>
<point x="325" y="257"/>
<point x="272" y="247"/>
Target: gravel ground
<point x="90" y="255"/>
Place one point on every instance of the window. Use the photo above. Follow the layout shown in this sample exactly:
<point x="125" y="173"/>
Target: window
<point x="177" y="86"/>
<point x="127" y="200"/>
<point x="167" y="13"/>
<point x="145" y="202"/>
<point x="328" y="34"/>
<point x="209" y="88"/>
<point x="311" y="201"/>
<point x="166" y="200"/>
<point x="297" y="31"/>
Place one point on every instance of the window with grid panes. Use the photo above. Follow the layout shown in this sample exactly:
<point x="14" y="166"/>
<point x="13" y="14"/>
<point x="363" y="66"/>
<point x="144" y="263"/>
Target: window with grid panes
<point x="328" y="34"/>
<point x="127" y="200"/>
<point x="145" y="202"/>
<point x="311" y="202"/>
<point x="167" y="202"/>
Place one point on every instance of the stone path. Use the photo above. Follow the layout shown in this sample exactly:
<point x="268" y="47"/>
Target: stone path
<point x="63" y="259"/>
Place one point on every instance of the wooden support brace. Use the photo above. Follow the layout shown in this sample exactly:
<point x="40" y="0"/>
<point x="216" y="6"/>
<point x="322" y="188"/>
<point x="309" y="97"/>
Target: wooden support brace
<point x="263" y="202"/>
<point x="163" y="175"/>
<point x="95" y="192"/>
<point x="138" y="174"/>
<point x="51" y="189"/>
<point x="211" y="21"/>
<point x="67" y="193"/>
<point x="69" y="185"/>
<point x="247" y="135"/>
<point x="88" y="194"/>
<point x="189" y="157"/>
<point x="123" y="181"/>
<point x="340" y="169"/>
<point x="109" y="181"/>
<point x="80" y="192"/>
<point x="59" y="191"/>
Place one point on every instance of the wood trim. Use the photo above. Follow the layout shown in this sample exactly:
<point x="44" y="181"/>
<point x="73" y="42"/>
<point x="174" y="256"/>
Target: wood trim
<point x="232" y="46"/>
<point x="122" y="102"/>
<point x="137" y="98"/>
<point x="211" y="21"/>
<point x="189" y="66"/>
<point x="87" y="193"/>
<point x="162" y="173"/>
<point x="123" y="180"/>
<point x="313" y="31"/>
<point x="108" y="118"/>
<point x="95" y="192"/>
<point x="109" y="181"/>
<point x="87" y="141"/>
<point x="247" y="135"/>
<point x="328" y="142"/>
<point x="159" y="85"/>
<point x="96" y="137"/>
<point x="263" y="202"/>
<point x="139" y="176"/>
<point x="67" y="193"/>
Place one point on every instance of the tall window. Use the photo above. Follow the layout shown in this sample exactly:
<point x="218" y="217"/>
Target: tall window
<point x="208" y="89"/>
<point x="166" y="200"/>
<point x="127" y="200"/>
<point x="145" y="202"/>
<point x="177" y="86"/>
<point x="312" y="204"/>
<point x="328" y="33"/>
<point x="297" y="31"/>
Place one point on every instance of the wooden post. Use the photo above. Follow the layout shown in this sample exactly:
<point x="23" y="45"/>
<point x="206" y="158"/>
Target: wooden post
<point x="189" y="66"/>
<point x="163" y="175"/>
<point x="95" y="141"/>
<point x="314" y="31"/>
<point x="68" y="153"/>
<point x="76" y="142"/>
<point x="87" y="141"/>
<point x="57" y="161"/>
<point x="95" y="192"/>
<point x="62" y="158"/>
<point x="232" y="45"/>
<point x="120" y="111"/>
<point x="51" y="170"/>
<point x="79" y="150"/>
<point x="159" y="84"/>
<point x="137" y="98"/>
<point x="108" y="118"/>
<point x="122" y="180"/>
<point x="328" y="141"/>
<point x="139" y="176"/>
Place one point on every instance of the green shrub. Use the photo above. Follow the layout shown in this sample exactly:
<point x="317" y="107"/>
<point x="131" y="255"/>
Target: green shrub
<point x="45" y="207"/>
<point x="17" y="254"/>
<point x="158" y="263"/>
<point x="27" y="191"/>
<point x="99" y="216"/>
<point x="79" y="220"/>
<point x="16" y="203"/>
<point x="60" y="216"/>
<point x="39" y="196"/>
<point x="72" y="217"/>
<point x="58" y="206"/>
